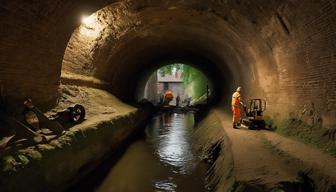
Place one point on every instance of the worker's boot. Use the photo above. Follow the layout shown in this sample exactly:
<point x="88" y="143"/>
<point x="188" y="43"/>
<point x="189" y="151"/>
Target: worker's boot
<point x="239" y="123"/>
<point x="234" y="125"/>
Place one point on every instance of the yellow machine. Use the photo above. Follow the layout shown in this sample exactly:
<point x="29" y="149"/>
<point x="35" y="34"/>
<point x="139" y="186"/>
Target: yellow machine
<point x="254" y="114"/>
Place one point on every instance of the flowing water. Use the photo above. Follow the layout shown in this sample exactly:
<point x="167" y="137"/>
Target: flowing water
<point x="162" y="160"/>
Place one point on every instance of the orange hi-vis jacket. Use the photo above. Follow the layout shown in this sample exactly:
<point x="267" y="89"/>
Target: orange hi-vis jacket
<point x="236" y="106"/>
<point x="169" y="95"/>
<point x="236" y="99"/>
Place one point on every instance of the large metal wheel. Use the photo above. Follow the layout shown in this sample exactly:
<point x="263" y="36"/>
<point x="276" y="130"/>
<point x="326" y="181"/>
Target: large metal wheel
<point x="77" y="114"/>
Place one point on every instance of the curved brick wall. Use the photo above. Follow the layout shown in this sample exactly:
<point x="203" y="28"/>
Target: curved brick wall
<point x="283" y="51"/>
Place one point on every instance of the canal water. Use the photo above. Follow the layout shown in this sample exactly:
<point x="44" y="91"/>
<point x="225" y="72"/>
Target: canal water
<point x="161" y="160"/>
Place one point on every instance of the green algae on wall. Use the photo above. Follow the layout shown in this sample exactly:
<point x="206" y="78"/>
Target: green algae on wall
<point x="321" y="137"/>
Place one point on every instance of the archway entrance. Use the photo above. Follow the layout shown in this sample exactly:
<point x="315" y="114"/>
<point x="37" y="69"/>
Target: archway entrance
<point x="187" y="84"/>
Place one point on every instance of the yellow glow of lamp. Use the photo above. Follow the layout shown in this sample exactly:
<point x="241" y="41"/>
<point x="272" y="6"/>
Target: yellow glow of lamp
<point x="88" y="20"/>
<point x="90" y="27"/>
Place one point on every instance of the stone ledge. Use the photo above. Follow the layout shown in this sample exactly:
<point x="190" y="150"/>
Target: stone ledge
<point x="314" y="163"/>
<point x="209" y="135"/>
<point x="47" y="167"/>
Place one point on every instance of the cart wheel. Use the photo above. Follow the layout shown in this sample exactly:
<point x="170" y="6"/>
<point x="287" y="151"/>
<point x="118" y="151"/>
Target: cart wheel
<point x="77" y="114"/>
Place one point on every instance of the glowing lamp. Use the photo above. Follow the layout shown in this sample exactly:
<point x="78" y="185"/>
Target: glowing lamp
<point x="88" y="20"/>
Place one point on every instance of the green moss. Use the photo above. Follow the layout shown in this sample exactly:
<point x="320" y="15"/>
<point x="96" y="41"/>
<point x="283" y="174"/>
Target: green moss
<point x="309" y="134"/>
<point x="61" y="141"/>
<point x="332" y="151"/>
<point x="23" y="159"/>
<point x="9" y="163"/>
<point x="32" y="153"/>
<point x="45" y="147"/>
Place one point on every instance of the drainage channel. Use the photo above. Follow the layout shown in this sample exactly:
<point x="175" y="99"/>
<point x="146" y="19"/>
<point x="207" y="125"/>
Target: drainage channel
<point x="161" y="159"/>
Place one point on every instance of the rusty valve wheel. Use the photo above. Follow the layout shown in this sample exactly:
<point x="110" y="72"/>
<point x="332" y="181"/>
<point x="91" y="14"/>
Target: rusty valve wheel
<point x="77" y="114"/>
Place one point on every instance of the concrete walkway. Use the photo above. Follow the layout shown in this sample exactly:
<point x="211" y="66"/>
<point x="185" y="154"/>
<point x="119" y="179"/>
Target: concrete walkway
<point x="266" y="158"/>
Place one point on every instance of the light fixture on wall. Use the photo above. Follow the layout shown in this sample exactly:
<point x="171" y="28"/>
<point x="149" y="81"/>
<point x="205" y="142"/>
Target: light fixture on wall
<point x="90" y="27"/>
<point x="88" y="21"/>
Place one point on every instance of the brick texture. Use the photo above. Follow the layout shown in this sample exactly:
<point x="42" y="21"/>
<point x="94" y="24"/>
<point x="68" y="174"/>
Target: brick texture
<point x="284" y="51"/>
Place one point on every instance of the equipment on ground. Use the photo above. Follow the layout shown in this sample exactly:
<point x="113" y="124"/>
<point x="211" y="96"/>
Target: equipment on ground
<point x="254" y="114"/>
<point x="75" y="114"/>
<point x="36" y="127"/>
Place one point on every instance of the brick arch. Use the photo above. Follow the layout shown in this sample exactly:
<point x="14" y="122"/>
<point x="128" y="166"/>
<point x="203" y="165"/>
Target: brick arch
<point x="280" y="49"/>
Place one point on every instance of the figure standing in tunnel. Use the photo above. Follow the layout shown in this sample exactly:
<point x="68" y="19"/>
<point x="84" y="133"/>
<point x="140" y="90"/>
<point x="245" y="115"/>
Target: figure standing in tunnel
<point x="161" y="98"/>
<point x="178" y="100"/>
<point x="236" y="107"/>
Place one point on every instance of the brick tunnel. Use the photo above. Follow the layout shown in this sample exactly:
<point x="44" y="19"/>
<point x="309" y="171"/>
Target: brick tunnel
<point x="283" y="51"/>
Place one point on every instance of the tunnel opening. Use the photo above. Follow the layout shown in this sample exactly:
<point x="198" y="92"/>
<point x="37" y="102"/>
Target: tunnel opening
<point x="207" y="66"/>
<point x="187" y="84"/>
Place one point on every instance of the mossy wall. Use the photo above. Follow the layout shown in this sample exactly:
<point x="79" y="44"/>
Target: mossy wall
<point x="307" y="125"/>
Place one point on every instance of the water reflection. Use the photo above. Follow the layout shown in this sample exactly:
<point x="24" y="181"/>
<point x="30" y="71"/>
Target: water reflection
<point x="166" y="117"/>
<point x="163" y="161"/>
<point x="165" y="185"/>
<point x="173" y="145"/>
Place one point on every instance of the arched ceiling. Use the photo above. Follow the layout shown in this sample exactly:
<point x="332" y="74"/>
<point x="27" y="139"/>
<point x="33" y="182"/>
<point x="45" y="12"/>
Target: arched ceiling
<point x="120" y="49"/>
<point x="276" y="49"/>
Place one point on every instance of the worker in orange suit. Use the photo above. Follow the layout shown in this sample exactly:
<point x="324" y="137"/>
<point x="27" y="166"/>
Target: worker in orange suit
<point x="236" y="107"/>
<point x="168" y="97"/>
